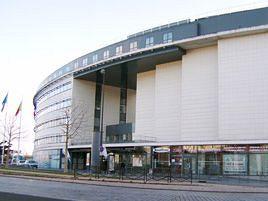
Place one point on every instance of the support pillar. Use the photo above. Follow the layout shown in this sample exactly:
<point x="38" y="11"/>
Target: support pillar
<point x="98" y="122"/>
<point x="95" y="152"/>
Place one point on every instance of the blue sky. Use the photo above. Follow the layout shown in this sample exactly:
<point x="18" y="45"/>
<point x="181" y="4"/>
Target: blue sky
<point x="37" y="37"/>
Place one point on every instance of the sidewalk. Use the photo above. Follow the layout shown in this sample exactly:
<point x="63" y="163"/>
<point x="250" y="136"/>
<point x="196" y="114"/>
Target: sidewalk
<point x="182" y="186"/>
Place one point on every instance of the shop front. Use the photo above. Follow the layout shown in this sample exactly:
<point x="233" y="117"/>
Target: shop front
<point x="213" y="159"/>
<point x="116" y="157"/>
<point x="182" y="160"/>
<point x="129" y="157"/>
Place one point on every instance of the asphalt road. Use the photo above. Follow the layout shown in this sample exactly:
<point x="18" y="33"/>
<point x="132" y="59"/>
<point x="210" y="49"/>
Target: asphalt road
<point x="18" y="189"/>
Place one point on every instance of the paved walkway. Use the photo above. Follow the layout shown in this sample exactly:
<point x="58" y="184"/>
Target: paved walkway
<point x="233" y="186"/>
<point x="23" y="188"/>
<point x="195" y="187"/>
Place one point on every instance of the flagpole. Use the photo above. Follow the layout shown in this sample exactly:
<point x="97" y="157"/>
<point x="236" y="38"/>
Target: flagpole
<point x="2" y="154"/>
<point x="19" y="133"/>
<point x="19" y="140"/>
<point x="3" y="145"/>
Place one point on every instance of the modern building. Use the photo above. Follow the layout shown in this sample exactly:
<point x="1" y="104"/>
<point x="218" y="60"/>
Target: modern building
<point x="194" y="89"/>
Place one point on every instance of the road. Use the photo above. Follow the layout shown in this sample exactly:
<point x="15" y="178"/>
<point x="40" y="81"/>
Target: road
<point x="19" y="189"/>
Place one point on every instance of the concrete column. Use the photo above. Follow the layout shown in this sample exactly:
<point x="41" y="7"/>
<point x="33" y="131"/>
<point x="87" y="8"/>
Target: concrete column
<point x="95" y="151"/>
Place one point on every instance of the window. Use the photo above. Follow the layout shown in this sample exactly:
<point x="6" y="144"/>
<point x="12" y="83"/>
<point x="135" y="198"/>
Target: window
<point x="167" y="37"/>
<point x="149" y="41"/>
<point x="53" y="107"/>
<point x="95" y="58"/>
<point x="52" y="92"/>
<point x="84" y="61"/>
<point x="133" y="46"/>
<point x="67" y="68"/>
<point x="76" y="64"/>
<point x="119" y="50"/>
<point x="106" y="54"/>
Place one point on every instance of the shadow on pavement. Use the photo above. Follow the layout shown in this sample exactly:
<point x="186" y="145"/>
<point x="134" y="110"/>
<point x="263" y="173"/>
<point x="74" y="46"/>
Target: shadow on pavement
<point x="18" y="197"/>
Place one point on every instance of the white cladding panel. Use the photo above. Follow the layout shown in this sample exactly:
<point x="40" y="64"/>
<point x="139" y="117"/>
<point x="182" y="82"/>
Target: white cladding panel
<point x="84" y="97"/>
<point x="199" y="94"/>
<point x="243" y="87"/>
<point x="167" y="101"/>
<point x="145" y="104"/>
<point x="111" y="106"/>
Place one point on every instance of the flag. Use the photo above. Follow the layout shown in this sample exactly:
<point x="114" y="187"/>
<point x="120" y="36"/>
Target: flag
<point x="103" y="151"/>
<point x="4" y="103"/>
<point x="19" y="109"/>
<point x="34" y="113"/>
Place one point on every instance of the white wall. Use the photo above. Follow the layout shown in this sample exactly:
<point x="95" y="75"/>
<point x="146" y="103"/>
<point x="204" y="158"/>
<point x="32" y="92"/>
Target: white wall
<point x="167" y="101"/>
<point x="217" y="93"/>
<point x="84" y="97"/>
<point x="199" y="94"/>
<point x="243" y="87"/>
<point x="178" y="101"/>
<point x="145" y="98"/>
<point x="111" y="106"/>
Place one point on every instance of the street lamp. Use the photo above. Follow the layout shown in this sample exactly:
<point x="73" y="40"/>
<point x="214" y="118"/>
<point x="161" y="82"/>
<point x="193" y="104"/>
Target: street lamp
<point x="102" y="71"/>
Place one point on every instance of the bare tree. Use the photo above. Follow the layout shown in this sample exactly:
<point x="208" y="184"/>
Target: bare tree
<point x="10" y="132"/>
<point x="73" y="120"/>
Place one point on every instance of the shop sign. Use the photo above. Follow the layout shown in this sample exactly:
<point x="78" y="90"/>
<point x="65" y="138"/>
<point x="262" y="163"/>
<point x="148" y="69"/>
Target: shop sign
<point x="235" y="148"/>
<point x="262" y="148"/>
<point x="190" y="149"/>
<point x="161" y="150"/>
<point x="176" y="149"/>
<point x="209" y="148"/>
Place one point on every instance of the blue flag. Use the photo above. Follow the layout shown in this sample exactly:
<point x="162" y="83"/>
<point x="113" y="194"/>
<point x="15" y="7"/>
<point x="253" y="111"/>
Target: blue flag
<point x="4" y="102"/>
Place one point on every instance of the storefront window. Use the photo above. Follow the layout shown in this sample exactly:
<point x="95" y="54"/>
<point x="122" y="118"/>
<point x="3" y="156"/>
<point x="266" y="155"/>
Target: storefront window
<point x="209" y="160"/>
<point x="235" y="164"/>
<point x="161" y="157"/>
<point x="48" y="159"/>
<point x="258" y="160"/>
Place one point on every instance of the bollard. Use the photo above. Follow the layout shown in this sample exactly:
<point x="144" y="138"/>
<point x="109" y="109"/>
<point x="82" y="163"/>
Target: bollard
<point x="170" y="174"/>
<point x="191" y="176"/>
<point x="145" y="174"/>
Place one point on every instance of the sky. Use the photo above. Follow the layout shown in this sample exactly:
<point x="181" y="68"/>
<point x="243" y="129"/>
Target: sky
<point x="38" y="37"/>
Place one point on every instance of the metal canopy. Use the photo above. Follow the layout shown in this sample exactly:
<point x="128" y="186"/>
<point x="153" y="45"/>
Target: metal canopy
<point x="136" y="63"/>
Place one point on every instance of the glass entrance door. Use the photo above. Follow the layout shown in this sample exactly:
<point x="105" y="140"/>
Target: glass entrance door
<point x="186" y="165"/>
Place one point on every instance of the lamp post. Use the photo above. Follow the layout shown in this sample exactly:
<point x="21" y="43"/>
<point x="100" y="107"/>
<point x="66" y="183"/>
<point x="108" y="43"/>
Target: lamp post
<point x="102" y="105"/>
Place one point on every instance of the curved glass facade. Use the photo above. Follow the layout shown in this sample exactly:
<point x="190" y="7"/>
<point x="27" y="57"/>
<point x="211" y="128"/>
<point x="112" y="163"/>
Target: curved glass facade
<point x="52" y="92"/>
<point x="50" y="124"/>
<point x="55" y="106"/>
